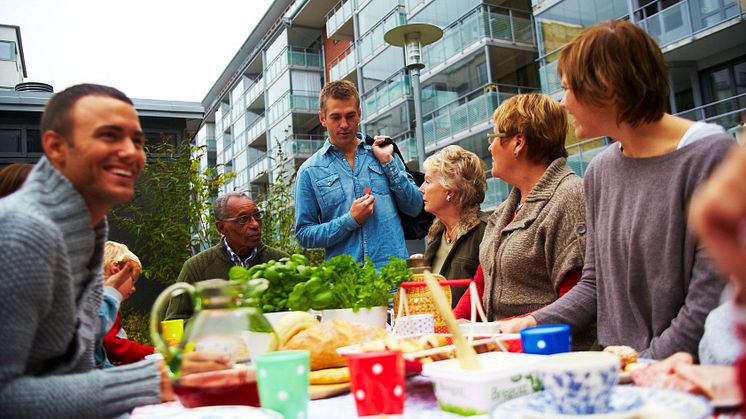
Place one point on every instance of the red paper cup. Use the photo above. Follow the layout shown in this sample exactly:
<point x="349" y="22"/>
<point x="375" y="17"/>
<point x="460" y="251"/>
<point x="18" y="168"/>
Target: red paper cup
<point x="377" y="382"/>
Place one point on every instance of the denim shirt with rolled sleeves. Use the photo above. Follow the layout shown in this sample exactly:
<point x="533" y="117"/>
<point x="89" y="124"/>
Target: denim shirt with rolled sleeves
<point x="327" y="185"/>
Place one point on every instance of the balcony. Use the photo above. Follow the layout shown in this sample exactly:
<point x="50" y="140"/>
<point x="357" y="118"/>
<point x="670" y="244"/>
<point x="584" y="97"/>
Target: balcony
<point x="728" y="113"/>
<point x="343" y="64"/>
<point x="497" y="192"/>
<point x="580" y="154"/>
<point x="300" y="146"/>
<point x="304" y="57"/>
<point x="301" y="101"/>
<point x="503" y="26"/>
<point x="339" y="20"/>
<point x="550" y="79"/>
<point x="471" y="112"/>
<point x="256" y="134"/>
<point x="258" y="169"/>
<point x="407" y="144"/>
<point x="254" y="93"/>
<point x="387" y="93"/>
<point x="686" y="18"/>
<point x="371" y="43"/>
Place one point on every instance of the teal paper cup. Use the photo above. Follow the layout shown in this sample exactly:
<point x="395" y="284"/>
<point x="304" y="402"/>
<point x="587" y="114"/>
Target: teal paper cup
<point x="283" y="382"/>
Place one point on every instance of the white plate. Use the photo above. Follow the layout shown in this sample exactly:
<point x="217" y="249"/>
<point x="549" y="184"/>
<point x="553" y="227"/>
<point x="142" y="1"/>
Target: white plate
<point x="638" y="402"/>
<point x="227" y="412"/>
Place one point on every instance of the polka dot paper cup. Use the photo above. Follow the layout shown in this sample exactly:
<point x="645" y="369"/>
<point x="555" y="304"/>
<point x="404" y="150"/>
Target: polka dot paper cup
<point x="377" y="382"/>
<point x="283" y="382"/>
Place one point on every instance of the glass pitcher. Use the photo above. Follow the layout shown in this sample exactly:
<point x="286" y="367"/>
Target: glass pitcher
<point x="226" y="319"/>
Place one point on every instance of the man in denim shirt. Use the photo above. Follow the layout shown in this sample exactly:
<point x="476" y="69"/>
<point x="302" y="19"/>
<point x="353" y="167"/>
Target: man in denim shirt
<point x="347" y="194"/>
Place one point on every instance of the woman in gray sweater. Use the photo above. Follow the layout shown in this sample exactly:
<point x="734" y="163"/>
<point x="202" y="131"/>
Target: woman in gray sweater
<point x="646" y="280"/>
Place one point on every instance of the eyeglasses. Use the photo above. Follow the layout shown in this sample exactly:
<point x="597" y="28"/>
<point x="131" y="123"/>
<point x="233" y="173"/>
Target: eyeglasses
<point x="246" y="218"/>
<point x="491" y="137"/>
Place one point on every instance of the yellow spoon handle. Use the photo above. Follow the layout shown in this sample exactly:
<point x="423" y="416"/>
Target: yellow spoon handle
<point x="467" y="357"/>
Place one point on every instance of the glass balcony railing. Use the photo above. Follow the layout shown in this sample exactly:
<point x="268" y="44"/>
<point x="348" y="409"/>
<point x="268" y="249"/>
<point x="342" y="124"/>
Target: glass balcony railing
<point x="304" y="57"/>
<point x="687" y="17"/>
<point x="467" y="112"/>
<point x="491" y="22"/>
<point x="372" y="41"/>
<point x="304" y="101"/>
<point x="386" y="93"/>
<point x="497" y="192"/>
<point x="302" y="146"/>
<point x="407" y="144"/>
<point x="259" y="127"/>
<point x="210" y="142"/>
<point x="581" y="153"/>
<point x="298" y="101"/>
<point x="258" y="167"/>
<point x="256" y="90"/>
<point x="338" y="15"/>
<point x="727" y="113"/>
<point x="550" y="79"/>
<point x="343" y="64"/>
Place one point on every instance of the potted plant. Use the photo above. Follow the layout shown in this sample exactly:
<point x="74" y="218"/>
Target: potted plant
<point x="339" y="288"/>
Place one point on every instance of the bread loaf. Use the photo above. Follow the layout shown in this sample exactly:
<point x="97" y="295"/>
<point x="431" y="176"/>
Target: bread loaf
<point x="293" y="323"/>
<point x="322" y="341"/>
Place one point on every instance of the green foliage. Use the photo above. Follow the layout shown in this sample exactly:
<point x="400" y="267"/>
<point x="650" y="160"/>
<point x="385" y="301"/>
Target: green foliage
<point x="136" y="323"/>
<point x="297" y="284"/>
<point x="171" y="210"/>
<point x="277" y="202"/>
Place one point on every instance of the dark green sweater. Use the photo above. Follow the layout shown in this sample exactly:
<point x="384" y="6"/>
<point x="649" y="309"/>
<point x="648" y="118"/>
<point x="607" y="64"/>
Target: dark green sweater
<point x="209" y="264"/>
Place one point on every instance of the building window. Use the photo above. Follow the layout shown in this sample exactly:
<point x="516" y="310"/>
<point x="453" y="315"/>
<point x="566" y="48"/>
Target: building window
<point x="10" y="140"/>
<point x="33" y="141"/>
<point x="7" y="51"/>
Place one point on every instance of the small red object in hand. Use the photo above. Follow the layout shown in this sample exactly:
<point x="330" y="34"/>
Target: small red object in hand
<point x="367" y="190"/>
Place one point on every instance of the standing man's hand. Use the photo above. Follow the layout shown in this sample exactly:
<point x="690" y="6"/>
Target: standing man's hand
<point x="384" y="154"/>
<point x="362" y="208"/>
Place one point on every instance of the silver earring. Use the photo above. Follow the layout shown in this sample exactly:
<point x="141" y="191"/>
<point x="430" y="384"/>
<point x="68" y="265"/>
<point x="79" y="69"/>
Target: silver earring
<point x="448" y="198"/>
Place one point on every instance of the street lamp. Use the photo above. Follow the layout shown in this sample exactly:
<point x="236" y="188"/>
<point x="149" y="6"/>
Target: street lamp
<point x="414" y="36"/>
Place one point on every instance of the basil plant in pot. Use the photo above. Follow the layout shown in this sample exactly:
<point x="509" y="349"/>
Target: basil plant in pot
<point x="339" y="288"/>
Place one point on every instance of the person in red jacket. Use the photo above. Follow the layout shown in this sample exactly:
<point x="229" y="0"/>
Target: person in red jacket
<point x="119" y="349"/>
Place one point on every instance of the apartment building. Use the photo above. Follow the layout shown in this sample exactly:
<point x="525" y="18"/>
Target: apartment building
<point x="12" y="62"/>
<point x="266" y="99"/>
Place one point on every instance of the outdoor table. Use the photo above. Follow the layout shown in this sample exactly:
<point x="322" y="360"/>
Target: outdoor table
<point x="420" y="403"/>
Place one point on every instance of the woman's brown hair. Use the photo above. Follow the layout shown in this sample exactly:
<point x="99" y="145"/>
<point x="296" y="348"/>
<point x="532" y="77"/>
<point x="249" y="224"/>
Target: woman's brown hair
<point x="618" y="63"/>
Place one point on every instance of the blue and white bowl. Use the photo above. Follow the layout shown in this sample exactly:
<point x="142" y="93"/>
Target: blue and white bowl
<point x="580" y="383"/>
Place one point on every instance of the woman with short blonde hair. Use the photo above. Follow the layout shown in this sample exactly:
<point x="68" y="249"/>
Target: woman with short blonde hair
<point x="534" y="243"/>
<point x="453" y="190"/>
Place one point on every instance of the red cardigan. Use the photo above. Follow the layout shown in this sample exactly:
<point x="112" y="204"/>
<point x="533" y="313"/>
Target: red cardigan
<point x="123" y="351"/>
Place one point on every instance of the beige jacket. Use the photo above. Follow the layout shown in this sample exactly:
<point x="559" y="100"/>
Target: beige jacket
<point x="524" y="261"/>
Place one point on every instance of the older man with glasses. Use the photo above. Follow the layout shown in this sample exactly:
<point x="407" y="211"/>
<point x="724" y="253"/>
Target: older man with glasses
<point x="239" y="220"/>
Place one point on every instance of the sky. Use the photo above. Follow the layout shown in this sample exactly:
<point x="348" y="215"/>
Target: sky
<point x="149" y="49"/>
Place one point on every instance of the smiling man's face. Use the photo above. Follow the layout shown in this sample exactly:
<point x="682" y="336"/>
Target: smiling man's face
<point x="105" y="155"/>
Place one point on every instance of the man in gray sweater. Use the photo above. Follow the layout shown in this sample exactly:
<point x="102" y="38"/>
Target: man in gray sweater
<point x="646" y="279"/>
<point x="53" y="232"/>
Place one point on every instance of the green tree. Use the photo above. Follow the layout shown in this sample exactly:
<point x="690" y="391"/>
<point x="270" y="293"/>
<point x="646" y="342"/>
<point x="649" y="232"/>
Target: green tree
<point x="277" y="202"/>
<point x="170" y="214"/>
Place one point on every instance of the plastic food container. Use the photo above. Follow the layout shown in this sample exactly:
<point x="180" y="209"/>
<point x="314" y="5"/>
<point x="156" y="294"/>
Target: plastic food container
<point x="503" y="376"/>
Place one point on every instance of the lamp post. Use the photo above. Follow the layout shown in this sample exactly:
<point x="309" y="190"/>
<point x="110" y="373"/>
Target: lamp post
<point x="413" y="37"/>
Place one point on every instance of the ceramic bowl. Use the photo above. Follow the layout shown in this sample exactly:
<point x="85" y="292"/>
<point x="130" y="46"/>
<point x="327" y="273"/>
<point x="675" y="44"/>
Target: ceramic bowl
<point x="580" y="383"/>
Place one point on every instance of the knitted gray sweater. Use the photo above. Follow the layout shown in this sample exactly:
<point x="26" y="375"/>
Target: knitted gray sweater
<point x="646" y="280"/>
<point x="50" y="293"/>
